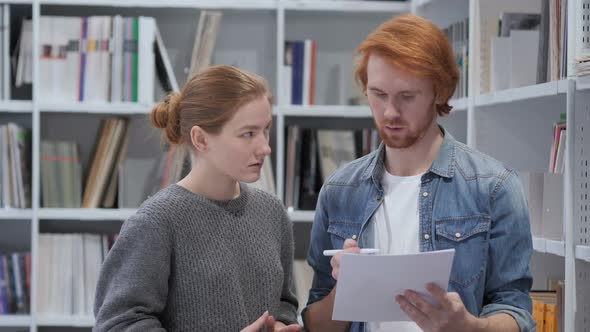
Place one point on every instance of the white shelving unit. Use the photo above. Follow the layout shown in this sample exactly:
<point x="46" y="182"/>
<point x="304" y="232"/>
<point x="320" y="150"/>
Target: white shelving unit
<point x="15" y="321"/>
<point x="85" y="214"/>
<point x="16" y="214"/>
<point x="73" y="321"/>
<point x="202" y="4"/>
<point x="16" y="106"/>
<point x="346" y="6"/>
<point x="97" y="108"/>
<point x="478" y="118"/>
<point x="532" y="92"/>
<point x="324" y="111"/>
<point x="301" y="216"/>
<point x="583" y="253"/>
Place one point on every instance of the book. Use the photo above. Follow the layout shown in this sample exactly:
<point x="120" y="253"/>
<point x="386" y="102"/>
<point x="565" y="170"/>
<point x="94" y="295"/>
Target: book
<point x="518" y="21"/>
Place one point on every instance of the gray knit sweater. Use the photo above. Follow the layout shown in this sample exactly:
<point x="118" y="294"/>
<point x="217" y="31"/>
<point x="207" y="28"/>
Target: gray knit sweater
<point x="187" y="263"/>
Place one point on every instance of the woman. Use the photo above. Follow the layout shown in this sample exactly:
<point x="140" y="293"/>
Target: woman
<point x="208" y="253"/>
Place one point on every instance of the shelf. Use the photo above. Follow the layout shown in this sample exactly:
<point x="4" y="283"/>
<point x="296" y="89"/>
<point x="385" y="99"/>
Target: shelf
<point x="85" y="214"/>
<point x="539" y="245"/>
<point x="583" y="83"/>
<point x="16" y="214"/>
<point x="325" y="111"/>
<point x="583" y="253"/>
<point x="76" y="321"/>
<point x="15" y="320"/>
<point x="202" y="4"/>
<point x="18" y="2"/>
<point x="16" y="106"/>
<point x="549" y="246"/>
<point x="548" y="89"/>
<point x="420" y="3"/>
<point x="459" y="104"/>
<point x="98" y="108"/>
<point x="348" y="6"/>
<point x="301" y="216"/>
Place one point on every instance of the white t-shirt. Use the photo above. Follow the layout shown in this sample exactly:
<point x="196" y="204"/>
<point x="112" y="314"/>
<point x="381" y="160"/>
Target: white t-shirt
<point x="396" y="227"/>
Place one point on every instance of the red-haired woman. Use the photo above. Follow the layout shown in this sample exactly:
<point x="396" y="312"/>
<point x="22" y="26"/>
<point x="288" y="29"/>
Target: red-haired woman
<point x="208" y="253"/>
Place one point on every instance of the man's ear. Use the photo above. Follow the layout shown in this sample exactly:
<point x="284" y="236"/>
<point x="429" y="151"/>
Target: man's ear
<point x="199" y="139"/>
<point x="438" y="99"/>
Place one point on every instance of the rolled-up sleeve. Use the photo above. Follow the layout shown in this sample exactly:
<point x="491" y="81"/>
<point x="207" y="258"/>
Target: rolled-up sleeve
<point x="323" y="282"/>
<point x="509" y="278"/>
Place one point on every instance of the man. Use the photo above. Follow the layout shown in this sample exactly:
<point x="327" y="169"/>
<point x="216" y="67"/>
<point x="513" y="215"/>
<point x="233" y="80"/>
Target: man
<point x="423" y="191"/>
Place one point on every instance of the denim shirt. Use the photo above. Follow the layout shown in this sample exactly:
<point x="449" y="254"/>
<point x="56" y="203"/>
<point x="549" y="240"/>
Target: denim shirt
<point x="468" y="201"/>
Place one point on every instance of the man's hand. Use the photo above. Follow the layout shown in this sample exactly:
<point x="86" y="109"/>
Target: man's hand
<point x="281" y="327"/>
<point x="350" y="247"/>
<point x="449" y="314"/>
<point x="267" y="323"/>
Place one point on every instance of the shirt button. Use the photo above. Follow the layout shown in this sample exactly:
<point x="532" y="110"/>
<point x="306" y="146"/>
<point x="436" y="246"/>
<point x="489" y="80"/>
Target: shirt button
<point x="457" y="235"/>
<point x="354" y="237"/>
<point x="426" y="236"/>
<point x="425" y="194"/>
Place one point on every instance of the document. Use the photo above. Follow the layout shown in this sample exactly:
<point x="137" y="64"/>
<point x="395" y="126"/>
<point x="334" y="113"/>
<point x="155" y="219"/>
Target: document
<point x="367" y="284"/>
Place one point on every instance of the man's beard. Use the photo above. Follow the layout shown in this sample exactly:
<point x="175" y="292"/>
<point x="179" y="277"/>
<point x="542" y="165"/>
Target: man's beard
<point x="408" y="139"/>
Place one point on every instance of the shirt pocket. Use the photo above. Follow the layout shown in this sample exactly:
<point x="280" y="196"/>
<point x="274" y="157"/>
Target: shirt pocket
<point x="469" y="237"/>
<point x="342" y="230"/>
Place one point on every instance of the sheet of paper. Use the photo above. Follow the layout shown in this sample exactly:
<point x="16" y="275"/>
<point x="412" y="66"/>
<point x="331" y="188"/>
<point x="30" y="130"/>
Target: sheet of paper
<point x="367" y="284"/>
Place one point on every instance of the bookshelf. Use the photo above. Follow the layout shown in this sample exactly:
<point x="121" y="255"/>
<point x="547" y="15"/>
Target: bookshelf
<point x="16" y="214"/>
<point x="85" y="214"/>
<point x="346" y="6"/>
<point x="59" y="321"/>
<point x="549" y="89"/>
<point x="252" y="36"/>
<point x="96" y="108"/>
<point x="25" y="107"/>
<point x="15" y="321"/>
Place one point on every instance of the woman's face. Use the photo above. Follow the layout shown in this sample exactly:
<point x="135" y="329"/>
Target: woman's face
<point x="239" y="150"/>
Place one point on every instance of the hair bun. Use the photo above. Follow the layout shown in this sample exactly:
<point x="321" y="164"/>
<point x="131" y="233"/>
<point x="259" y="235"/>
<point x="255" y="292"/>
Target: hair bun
<point x="165" y="115"/>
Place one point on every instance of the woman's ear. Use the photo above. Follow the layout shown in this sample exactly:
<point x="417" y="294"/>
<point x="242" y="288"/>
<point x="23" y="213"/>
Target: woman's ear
<point x="199" y="139"/>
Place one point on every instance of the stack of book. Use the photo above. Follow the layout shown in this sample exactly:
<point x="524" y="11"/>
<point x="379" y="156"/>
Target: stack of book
<point x="61" y="175"/>
<point x="548" y="307"/>
<point x="91" y="59"/>
<point x="299" y="67"/>
<point x="15" y="283"/>
<point x="313" y="155"/>
<point x="557" y="159"/>
<point x="69" y="265"/>
<point x="110" y="151"/>
<point x="458" y="35"/>
<point x="15" y="176"/>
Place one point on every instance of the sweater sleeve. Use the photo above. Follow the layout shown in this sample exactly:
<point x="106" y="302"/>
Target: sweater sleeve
<point x="133" y="283"/>
<point x="287" y="311"/>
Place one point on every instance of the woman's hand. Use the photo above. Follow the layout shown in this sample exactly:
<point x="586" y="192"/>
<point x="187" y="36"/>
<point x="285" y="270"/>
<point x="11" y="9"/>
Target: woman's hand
<point x="267" y="323"/>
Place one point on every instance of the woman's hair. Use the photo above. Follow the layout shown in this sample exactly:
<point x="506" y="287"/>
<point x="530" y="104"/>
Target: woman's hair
<point x="417" y="46"/>
<point x="208" y="100"/>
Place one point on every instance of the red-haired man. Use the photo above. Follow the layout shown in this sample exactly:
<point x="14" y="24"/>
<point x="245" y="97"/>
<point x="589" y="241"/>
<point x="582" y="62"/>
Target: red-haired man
<point x="423" y="191"/>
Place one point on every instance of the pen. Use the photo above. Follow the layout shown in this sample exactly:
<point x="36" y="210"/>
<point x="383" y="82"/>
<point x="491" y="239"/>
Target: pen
<point x="363" y="251"/>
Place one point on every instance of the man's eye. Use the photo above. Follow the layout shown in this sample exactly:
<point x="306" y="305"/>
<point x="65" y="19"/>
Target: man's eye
<point x="248" y="134"/>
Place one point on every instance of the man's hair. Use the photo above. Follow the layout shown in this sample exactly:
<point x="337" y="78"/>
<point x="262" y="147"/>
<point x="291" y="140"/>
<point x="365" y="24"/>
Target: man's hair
<point x="417" y="46"/>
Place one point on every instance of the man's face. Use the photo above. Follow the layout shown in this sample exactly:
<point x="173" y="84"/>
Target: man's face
<point x="402" y="103"/>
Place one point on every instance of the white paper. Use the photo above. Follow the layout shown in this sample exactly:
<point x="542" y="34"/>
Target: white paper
<point x="367" y="284"/>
